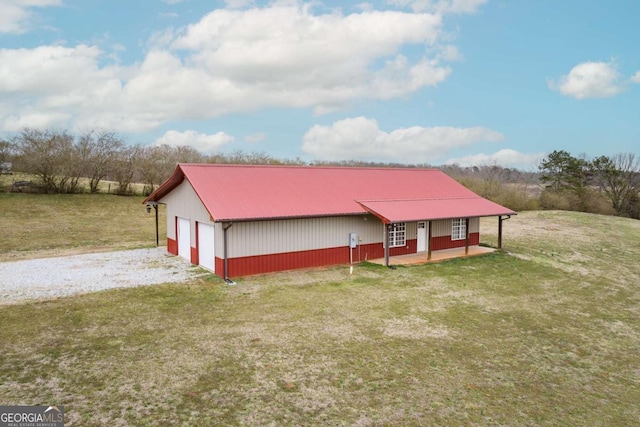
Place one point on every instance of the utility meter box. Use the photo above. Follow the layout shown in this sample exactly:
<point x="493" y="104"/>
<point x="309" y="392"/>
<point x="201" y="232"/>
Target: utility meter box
<point x="353" y="240"/>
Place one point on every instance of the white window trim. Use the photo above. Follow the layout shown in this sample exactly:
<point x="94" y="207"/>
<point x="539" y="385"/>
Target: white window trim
<point x="458" y="229"/>
<point x="398" y="234"/>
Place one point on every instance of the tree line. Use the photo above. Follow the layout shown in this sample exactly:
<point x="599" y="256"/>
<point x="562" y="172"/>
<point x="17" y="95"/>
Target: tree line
<point x="603" y="183"/>
<point x="66" y="163"/>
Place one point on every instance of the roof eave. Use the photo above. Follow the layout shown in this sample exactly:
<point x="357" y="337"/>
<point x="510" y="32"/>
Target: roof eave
<point x="174" y="180"/>
<point x="276" y="218"/>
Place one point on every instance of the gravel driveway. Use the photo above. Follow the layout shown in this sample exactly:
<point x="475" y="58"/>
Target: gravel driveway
<point x="61" y="276"/>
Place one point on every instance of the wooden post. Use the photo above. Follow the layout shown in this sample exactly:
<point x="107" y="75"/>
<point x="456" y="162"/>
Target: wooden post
<point x="500" y="232"/>
<point x="429" y="242"/>
<point x="155" y="207"/>
<point x="386" y="245"/>
<point x="466" y="238"/>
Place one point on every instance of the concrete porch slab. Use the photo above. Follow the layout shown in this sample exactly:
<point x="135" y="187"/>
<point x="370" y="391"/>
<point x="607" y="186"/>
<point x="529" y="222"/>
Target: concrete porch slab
<point x="421" y="258"/>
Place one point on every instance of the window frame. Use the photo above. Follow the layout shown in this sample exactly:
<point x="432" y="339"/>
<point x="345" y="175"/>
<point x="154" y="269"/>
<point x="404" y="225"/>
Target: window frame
<point x="458" y="229"/>
<point x="397" y="234"/>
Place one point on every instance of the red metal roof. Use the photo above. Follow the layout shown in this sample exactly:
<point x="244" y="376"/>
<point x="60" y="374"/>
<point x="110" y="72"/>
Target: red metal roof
<point x="250" y="192"/>
<point x="414" y="210"/>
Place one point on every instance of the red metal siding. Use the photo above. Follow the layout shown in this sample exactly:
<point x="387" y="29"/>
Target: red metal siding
<point x="445" y="242"/>
<point x="245" y="266"/>
<point x="172" y="246"/>
<point x="195" y="256"/>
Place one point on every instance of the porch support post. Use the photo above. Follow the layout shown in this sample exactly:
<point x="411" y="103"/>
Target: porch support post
<point x="386" y="245"/>
<point x="500" y="232"/>
<point x="466" y="238"/>
<point x="155" y="207"/>
<point x="429" y="242"/>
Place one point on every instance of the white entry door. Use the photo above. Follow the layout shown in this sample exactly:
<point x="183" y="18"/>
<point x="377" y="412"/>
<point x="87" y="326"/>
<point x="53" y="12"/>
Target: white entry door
<point x="206" y="246"/>
<point x="422" y="236"/>
<point x="184" y="238"/>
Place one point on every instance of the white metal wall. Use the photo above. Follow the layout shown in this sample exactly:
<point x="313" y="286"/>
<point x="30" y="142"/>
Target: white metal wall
<point x="184" y="202"/>
<point x="292" y="235"/>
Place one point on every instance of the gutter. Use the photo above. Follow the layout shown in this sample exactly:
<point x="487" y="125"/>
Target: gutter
<point x="226" y="258"/>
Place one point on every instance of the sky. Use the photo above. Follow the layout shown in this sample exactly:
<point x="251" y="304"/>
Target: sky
<point x="471" y="82"/>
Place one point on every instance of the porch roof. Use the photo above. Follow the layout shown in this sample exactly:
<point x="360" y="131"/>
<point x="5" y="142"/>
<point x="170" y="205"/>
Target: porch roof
<point x="409" y="210"/>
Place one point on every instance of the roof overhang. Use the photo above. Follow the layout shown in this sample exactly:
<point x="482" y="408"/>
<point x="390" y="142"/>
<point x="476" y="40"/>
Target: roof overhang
<point x="174" y="180"/>
<point x="392" y="211"/>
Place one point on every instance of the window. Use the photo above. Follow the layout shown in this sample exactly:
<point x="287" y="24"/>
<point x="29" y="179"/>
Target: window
<point x="397" y="234"/>
<point x="459" y="229"/>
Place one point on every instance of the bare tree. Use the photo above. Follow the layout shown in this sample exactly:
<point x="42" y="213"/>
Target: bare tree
<point x="5" y="151"/>
<point x="618" y="177"/>
<point x="155" y="164"/>
<point x="98" y="151"/>
<point x="125" y="168"/>
<point x="51" y="156"/>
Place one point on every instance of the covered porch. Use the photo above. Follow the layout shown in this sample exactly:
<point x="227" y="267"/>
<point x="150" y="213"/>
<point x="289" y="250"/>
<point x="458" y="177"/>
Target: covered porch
<point x="436" y="256"/>
<point x="392" y="212"/>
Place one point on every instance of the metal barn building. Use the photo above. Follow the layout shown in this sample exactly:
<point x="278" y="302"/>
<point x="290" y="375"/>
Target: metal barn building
<point x="239" y="220"/>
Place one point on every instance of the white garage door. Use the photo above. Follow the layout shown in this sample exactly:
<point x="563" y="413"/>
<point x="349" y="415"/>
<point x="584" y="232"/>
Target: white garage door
<point x="184" y="238"/>
<point x="206" y="253"/>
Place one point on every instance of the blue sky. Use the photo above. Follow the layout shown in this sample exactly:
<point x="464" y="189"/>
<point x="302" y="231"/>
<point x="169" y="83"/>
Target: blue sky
<point x="473" y="82"/>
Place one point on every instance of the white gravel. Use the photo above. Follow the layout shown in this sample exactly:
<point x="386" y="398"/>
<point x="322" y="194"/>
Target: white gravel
<point x="62" y="276"/>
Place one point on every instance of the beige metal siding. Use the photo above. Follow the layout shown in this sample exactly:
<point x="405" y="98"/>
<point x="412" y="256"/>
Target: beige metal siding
<point x="443" y="227"/>
<point x="278" y="236"/>
<point x="184" y="203"/>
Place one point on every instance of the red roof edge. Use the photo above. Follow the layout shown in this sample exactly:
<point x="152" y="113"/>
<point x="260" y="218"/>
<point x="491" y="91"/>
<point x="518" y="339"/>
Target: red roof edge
<point x="174" y="180"/>
<point x="374" y="213"/>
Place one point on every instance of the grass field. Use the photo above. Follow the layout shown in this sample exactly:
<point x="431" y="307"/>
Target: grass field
<point x="39" y="225"/>
<point x="547" y="334"/>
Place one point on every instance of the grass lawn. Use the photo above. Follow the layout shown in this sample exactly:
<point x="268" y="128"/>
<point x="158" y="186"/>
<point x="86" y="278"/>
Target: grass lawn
<point x="42" y="225"/>
<point x="547" y="334"/>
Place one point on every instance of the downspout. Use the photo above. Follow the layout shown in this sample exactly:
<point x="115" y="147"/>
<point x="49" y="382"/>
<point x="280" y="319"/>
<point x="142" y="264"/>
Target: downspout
<point x="226" y="258"/>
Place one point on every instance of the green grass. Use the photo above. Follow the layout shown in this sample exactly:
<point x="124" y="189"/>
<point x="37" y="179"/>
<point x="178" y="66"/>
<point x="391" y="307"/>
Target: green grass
<point x="546" y="335"/>
<point x="57" y="224"/>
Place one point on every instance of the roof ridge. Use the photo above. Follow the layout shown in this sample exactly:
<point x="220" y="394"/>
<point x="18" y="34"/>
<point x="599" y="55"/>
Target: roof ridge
<point x="418" y="198"/>
<point x="269" y="166"/>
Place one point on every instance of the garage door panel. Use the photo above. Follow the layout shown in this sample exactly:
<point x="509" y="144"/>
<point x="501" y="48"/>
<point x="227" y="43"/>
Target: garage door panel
<point x="184" y="238"/>
<point x="206" y="246"/>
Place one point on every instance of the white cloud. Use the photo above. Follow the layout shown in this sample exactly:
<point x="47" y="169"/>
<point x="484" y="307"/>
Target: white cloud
<point x="230" y="61"/>
<point x="361" y="138"/>
<point x="16" y="15"/>
<point x="287" y="56"/>
<point x="58" y="87"/>
<point x="440" y="6"/>
<point x="636" y="78"/>
<point x="590" y="80"/>
<point x="256" y="137"/>
<point x="200" y="141"/>
<point x="505" y="157"/>
<point x="238" y="4"/>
